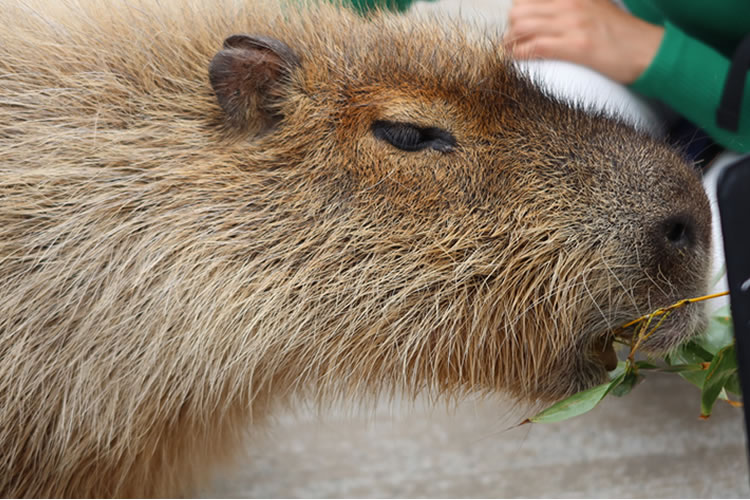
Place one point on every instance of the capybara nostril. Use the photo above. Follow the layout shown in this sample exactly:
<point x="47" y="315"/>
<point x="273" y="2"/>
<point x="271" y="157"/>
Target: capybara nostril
<point x="679" y="231"/>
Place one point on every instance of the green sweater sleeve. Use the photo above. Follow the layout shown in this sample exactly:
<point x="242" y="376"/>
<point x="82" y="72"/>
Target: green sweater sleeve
<point x="367" y="5"/>
<point x="689" y="76"/>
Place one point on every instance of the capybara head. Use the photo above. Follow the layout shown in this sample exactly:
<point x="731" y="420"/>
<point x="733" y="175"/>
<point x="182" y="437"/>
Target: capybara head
<point x="208" y="208"/>
<point x="488" y="235"/>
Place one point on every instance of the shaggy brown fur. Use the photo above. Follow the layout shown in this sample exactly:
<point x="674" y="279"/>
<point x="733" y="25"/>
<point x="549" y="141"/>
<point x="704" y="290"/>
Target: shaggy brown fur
<point x="169" y="271"/>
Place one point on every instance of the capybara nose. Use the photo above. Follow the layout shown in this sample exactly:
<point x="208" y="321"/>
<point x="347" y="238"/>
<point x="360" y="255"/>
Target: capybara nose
<point x="679" y="232"/>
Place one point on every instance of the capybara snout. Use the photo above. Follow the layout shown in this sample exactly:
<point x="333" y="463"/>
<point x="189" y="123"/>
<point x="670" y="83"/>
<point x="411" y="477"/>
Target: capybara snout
<point x="211" y="209"/>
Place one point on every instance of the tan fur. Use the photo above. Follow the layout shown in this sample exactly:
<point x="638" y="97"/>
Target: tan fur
<point x="167" y="278"/>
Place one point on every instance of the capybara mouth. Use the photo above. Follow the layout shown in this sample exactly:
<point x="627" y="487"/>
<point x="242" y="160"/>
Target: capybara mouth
<point x="658" y="336"/>
<point x="662" y="333"/>
<point x="604" y="351"/>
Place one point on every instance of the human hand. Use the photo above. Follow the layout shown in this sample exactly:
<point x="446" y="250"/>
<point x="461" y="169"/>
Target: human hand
<point x="593" y="33"/>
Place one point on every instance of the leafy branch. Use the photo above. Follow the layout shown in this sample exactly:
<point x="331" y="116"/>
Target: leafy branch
<point x="709" y="362"/>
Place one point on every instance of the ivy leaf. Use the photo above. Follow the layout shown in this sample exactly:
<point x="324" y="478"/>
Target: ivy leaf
<point x="722" y="368"/>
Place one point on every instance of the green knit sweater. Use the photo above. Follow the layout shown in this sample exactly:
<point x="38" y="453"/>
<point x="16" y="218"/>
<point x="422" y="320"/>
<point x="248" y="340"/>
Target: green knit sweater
<point x="366" y="5"/>
<point x="692" y="62"/>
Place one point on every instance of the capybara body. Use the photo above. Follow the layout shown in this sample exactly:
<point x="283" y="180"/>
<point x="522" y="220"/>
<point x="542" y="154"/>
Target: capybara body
<point x="195" y="230"/>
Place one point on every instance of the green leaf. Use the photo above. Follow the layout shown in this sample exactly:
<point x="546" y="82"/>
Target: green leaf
<point x="582" y="402"/>
<point x="646" y="365"/>
<point x="573" y="406"/>
<point x="682" y="368"/>
<point x="719" y="334"/>
<point x="722" y="367"/>
<point x="733" y="384"/>
<point x="622" y="367"/>
<point x="724" y="311"/>
<point x="696" y="378"/>
<point x="691" y="354"/>
<point x="629" y="381"/>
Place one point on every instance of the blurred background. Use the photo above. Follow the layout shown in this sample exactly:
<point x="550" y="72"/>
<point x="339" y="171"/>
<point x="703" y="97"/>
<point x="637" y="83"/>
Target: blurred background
<point x="650" y="443"/>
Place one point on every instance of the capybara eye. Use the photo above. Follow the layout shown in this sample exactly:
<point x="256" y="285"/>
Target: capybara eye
<point x="410" y="137"/>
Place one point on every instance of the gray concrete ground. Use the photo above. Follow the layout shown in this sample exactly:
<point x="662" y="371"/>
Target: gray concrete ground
<point x="648" y="444"/>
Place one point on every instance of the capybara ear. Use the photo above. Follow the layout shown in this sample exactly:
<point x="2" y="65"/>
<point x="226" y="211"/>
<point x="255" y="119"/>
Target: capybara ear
<point x="247" y="76"/>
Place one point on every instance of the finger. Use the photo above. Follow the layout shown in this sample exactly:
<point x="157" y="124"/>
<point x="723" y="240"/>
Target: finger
<point x="540" y="48"/>
<point x="524" y="20"/>
<point x="510" y="40"/>
<point x="525" y="3"/>
<point x="533" y="28"/>
<point x="534" y="10"/>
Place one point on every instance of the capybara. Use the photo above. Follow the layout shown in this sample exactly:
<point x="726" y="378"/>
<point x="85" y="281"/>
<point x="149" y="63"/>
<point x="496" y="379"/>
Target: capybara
<point x="212" y="208"/>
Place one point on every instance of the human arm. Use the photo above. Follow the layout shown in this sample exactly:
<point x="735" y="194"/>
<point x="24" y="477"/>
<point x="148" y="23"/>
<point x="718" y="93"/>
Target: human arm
<point x="689" y="76"/>
<point x="593" y="33"/>
<point x="658" y="61"/>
